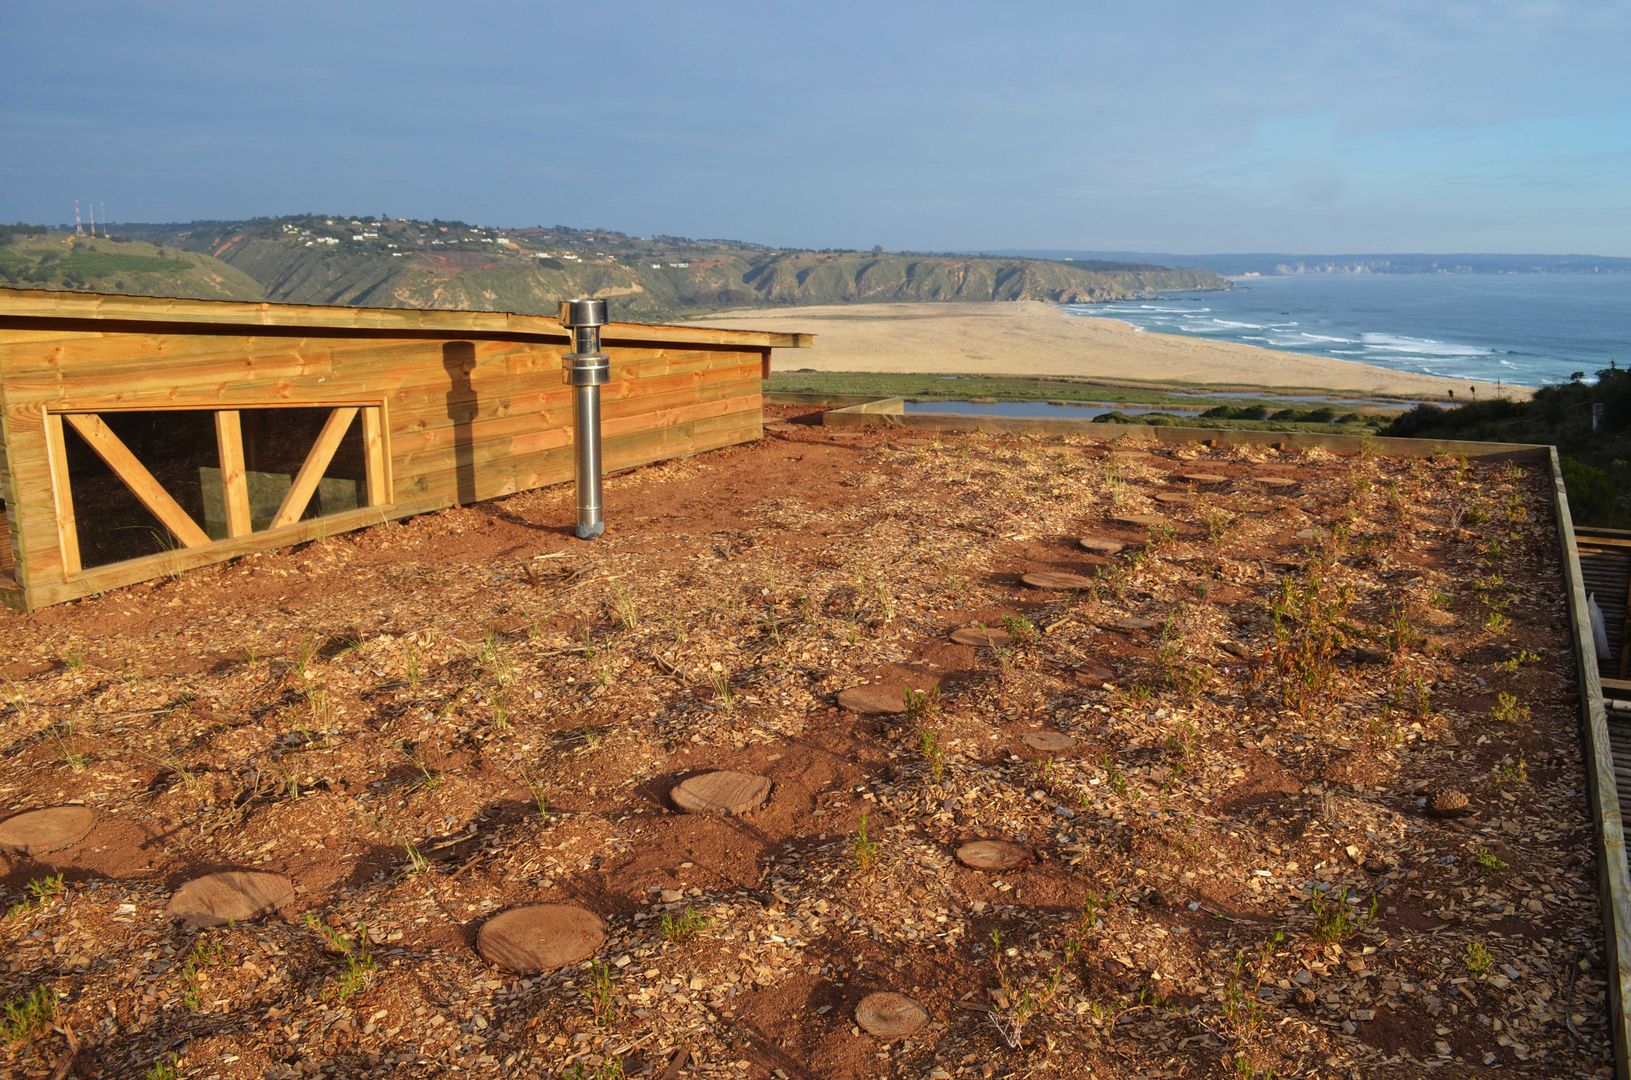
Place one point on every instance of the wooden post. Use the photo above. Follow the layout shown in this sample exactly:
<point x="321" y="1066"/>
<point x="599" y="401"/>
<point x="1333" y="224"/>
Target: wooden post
<point x="142" y="484"/>
<point x="305" y="481"/>
<point x="56" y="444"/>
<point x="229" y="445"/>
<point x="375" y="463"/>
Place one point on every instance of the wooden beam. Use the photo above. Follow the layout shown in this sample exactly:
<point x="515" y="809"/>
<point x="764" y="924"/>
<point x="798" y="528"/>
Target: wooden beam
<point x="56" y="444"/>
<point x="229" y="445"/>
<point x="376" y="462"/>
<point x="305" y="481"/>
<point x="142" y="484"/>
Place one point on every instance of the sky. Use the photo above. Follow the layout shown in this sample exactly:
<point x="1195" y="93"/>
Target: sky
<point x="1495" y="126"/>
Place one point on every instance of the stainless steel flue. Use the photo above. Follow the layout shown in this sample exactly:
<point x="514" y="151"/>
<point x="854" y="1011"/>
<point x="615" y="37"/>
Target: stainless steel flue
<point x="590" y="369"/>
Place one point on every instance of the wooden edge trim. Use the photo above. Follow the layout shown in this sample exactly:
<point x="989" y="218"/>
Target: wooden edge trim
<point x="62" y="494"/>
<point x="142" y="484"/>
<point x="229" y="448"/>
<point x="1614" y="877"/>
<point x="877" y="414"/>
<point x="311" y="470"/>
<point x="376" y="458"/>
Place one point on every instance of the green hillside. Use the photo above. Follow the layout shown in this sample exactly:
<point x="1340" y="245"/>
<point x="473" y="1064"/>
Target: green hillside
<point x="36" y="260"/>
<point x="437" y="264"/>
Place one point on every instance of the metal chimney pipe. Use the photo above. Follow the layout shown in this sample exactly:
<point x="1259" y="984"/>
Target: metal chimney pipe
<point x="590" y="369"/>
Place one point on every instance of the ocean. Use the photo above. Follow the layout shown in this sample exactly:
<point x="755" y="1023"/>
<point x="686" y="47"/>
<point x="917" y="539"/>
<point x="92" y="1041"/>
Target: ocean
<point x="1522" y="329"/>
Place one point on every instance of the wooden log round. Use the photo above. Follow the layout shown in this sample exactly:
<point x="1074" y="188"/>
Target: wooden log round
<point x="1138" y="521"/>
<point x="52" y="828"/>
<point x="887" y="1015"/>
<point x="1049" y="742"/>
<point x="1134" y="622"/>
<point x="1204" y="479"/>
<point x="874" y="699"/>
<point x="540" y="937"/>
<point x="722" y="792"/>
<point x="989" y="636"/>
<point x="1317" y="532"/>
<point x="230" y="896"/>
<point x="1278" y="483"/>
<point x="992" y="855"/>
<point x="1101" y="545"/>
<point x="1059" y="582"/>
<point x="1174" y="498"/>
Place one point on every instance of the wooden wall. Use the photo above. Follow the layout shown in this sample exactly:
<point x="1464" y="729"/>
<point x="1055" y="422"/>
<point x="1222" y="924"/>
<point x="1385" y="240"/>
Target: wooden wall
<point x="470" y="405"/>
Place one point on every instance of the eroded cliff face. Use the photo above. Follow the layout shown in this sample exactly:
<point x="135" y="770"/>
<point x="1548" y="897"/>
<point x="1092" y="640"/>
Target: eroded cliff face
<point x="420" y="264"/>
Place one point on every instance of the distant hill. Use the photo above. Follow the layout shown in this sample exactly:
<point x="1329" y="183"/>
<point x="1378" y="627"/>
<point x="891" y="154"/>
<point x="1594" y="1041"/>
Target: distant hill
<point x="1398" y="263"/>
<point x="450" y="264"/>
<point x="41" y="260"/>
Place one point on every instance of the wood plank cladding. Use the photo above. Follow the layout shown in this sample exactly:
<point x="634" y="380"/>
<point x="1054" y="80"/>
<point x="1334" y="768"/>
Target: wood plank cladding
<point x="453" y="407"/>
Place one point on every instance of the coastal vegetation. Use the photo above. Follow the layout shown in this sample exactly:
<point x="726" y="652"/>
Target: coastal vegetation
<point x="397" y="262"/>
<point x="1589" y="421"/>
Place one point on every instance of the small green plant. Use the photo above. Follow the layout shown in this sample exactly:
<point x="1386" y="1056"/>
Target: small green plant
<point x="723" y="691"/>
<point x="929" y="744"/>
<point x="1514" y="773"/>
<point x="1507" y="710"/>
<point x="601" y="994"/>
<point x="358" y="957"/>
<point x="417" y="863"/>
<point x="1497" y="623"/>
<point x="864" y="848"/>
<point x="610" y="1068"/>
<point x="1514" y="663"/>
<point x="1243" y="1008"/>
<point x="204" y="954"/>
<point x="74" y="661"/>
<point x="1488" y="860"/>
<point x="167" y="1067"/>
<point x="39" y="891"/>
<point x="302" y="664"/>
<point x="1441" y="600"/>
<point x="1337" y="917"/>
<point x="1402" y="635"/>
<point x="428" y="780"/>
<point x="495" y="660"/>
<point x="411" y="671"/>
<point x="1114" y="778"/>
<point x="29" y="1015"/>
<point x="1021" y="628"/>
<point x="1478" y="958"/>
<point x="1019" y="1002"/>
<point x="678" y="928"/>
<point x="628" y="612"/>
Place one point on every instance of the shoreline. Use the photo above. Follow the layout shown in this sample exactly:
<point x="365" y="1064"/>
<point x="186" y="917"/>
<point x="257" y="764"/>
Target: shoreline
<point x="1032" y="338"/>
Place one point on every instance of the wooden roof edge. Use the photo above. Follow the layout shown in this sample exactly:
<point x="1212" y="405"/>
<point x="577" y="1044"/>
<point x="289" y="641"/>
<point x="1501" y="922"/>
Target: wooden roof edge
<point x="57" y="305"/>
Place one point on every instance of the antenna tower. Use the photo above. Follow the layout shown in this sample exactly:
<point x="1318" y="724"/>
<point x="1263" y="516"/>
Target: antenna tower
<point x="92" y="209"/>
<point x="79" y="230"/>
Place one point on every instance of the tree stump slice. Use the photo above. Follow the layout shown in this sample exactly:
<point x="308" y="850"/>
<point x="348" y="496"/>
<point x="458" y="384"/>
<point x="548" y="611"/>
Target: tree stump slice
<point x="992" y="855"/>
<point x="1051" y="742"/>
<point x="1277" y="482"/>
<point x="1205" y="479"/>
<point x="887" y="1015"/>
<point x="1138" y="521"/>
<point x="989" y="636"/>
<point x="1133" y="622"/>
<point x="1101" y="545"/>
<point x="1174" y="498"/>
<point x="35" y="832"/>
<point x="875" y="699"/>
<point x="723" y="792"/>
<point x="1318" y="532"/>
<point x="1125" y="456"/>
<point x="1050" y="579"/>
<point x="230" y="896"/>
<point x="540" y="937"/>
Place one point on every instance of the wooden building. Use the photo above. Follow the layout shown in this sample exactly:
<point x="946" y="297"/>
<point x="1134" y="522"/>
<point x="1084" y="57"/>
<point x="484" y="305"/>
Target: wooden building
<point x="145" y="436"/>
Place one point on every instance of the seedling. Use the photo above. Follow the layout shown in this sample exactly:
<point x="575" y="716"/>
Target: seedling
<point x="359" y="959"/>
<point x="167" y="1067"/>
<point x="922" y="706"/>
<point x="428" y="780"/>
<point x="723" y="691"/>
<point x="29" y="1015"/>
<point x="684" y="927"/>
<point x="1113" y="776"/>
<point x="1497" y="623"/>
<point x="1488" y="860"/>
<point x="609" y="1069"/>
<point x="417" y="863"/>
<point x="1514" y="663"/>
<point x="602" y="996"/>
<point x="1338" y="918"/>
<point x="929" y="744"/>
<point x="628" y="612"/>
<point x="1514" y="774"/>
<point x="1243" y="1008"/>
<point x="1507" y="710"/>
<point x="204" y="954"/>
<point x="1020" y="627"/>
<point x="39" y="892"/>
<point x="1017" y="1002"/>
<point x="1478" y="958"/>
<point x="864" y="848"/>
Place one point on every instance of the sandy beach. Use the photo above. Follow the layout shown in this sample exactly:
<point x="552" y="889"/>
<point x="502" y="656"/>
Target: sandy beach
<point x="1031" y="338"/>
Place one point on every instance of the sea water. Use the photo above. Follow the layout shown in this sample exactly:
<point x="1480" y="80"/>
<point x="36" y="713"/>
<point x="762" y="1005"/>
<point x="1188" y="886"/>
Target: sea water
<point x="1522" y="329"/>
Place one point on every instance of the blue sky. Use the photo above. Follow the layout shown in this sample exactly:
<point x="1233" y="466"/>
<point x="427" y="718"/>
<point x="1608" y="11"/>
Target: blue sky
<point x="1188" y="127"/>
